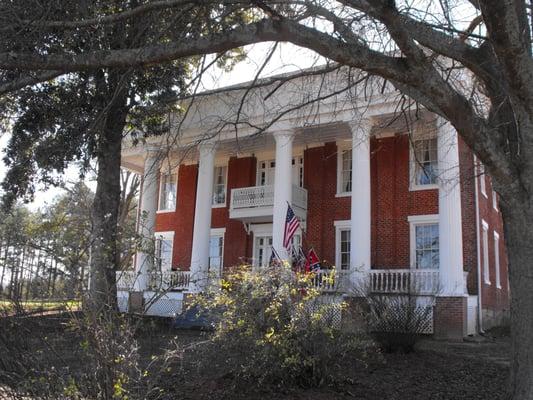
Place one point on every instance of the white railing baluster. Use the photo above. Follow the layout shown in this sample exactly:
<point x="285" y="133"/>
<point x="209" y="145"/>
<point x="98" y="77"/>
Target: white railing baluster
<point x="404" y="281"/>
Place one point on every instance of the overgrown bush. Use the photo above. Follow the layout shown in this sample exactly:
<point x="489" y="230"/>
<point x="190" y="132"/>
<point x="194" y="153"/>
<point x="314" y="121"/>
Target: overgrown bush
<point x="396" y="322"/>
<point x="273" y="327"/>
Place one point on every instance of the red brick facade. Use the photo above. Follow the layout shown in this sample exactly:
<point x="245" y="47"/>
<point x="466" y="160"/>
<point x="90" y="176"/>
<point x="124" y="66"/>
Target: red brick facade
<point x="391" y="203"/>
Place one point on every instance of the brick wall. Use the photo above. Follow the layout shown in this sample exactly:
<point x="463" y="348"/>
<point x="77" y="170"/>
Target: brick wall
<point x="237" y="244"/>
<point x="241" y="173"/>
<point x="393" y="202"/>
<point x="495" y="301"/>
<point x="449" y="318"/>
<point x="468" y="214"/>
<point x="182" y="220"/>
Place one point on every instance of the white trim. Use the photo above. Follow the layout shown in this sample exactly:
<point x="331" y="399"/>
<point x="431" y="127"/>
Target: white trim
<point x="161" y="174"/>
<point x="494" y="200"/>
<point x="482" y="179"/>
<point x="485" y="239"/>
<point x="414" y="221"/>
<point x="414" y="187"/>
<point x="341" y="225"/>
<point x="341" y="148"/>
<point x="219" y="232"/>
<point x="166" y="235"/>
<point x="221" y="205"/>
<point x="261" y="229"/>
<point x="497" y="259"/>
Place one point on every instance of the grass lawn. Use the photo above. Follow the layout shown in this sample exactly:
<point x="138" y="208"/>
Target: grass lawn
<point x="8" y="307"/>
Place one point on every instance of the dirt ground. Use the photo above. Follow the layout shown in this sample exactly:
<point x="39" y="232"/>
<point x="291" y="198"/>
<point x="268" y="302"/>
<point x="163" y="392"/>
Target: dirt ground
<point x="436" y="371"/>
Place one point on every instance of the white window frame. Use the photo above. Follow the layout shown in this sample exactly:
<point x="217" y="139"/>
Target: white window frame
<point x="165" y="235"/>
<point x="419" y="220"/>
<point x="341" y="149"/>
<point x="221" y="205"/>
<point x="342" y="225"/>
<point x="494" y="200"/>
<point x="218" y="232"/>
<point x="482" y="179"/>
<point x="160" y="192"/>
<point x="485" y="244"/>
<point x="497" y="259"/>
<point x="413" y="186"/>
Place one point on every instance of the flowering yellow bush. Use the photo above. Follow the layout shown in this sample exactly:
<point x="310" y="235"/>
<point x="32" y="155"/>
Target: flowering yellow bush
<point x="273" y="326"/>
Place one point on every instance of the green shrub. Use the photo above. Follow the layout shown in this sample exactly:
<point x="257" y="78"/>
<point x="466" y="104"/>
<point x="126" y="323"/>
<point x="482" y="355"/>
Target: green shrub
<point x="273" y="327"/>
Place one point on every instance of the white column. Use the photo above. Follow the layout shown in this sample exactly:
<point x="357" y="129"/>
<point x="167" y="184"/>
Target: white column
<point x="282" y="188"/>
<point x="146" y="223"/>
<point x="450" y="221"/>
<point x="202" y="216"/>
<point x="361" y="212"/>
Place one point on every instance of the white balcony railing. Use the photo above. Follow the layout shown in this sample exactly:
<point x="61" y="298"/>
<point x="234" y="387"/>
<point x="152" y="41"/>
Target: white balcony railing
<point x="157" y="281"/>
<point x="330" y="281"/>
<point x="171" y="280"/>
<point x="126" y="280"/>
<point x="414" y="281"/>
<point x="263" y="196"/>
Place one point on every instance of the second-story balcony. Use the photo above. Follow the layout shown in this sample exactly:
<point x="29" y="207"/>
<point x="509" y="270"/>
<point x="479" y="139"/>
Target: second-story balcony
<point x="256" y="203"/>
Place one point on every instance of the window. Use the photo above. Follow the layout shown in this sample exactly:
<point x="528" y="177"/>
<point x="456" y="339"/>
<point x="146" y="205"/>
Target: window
<point x="343" y="244"/>
<point x="497" y="260"/>
<point x="219" y="186"/>
<point x="216" y="251"/>
<point x="482" y="179"/>
<point x="163" y="250"/>
<point x="424" y="163"/>
<point x="424" y="236"/>
<point x="262" y="250"/>
<point x="485" y="239"/>
<point x="266" y="172"/>
<point x="167" y="192"/>
<point x="344" y="171"/>
<point x="494" y="200"/>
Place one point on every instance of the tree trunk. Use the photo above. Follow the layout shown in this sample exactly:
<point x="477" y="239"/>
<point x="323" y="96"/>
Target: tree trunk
<point x="104" y="254"/>
<point x="518" y="219"/>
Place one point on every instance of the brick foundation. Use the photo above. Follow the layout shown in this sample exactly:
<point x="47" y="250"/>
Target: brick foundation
<point x="449" y="318"/>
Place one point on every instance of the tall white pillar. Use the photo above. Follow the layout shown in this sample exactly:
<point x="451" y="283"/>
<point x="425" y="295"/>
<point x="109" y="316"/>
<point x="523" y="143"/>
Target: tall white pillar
<point x="202" y="216"/>
<point x="146" y="223"/>
<point x="360" y="224"/>
<point x="282" y="188"/>
<point x="450" y="221"/>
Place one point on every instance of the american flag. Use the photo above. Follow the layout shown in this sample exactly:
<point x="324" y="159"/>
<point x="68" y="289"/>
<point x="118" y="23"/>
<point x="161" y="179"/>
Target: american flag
<point x="291" y="226"/>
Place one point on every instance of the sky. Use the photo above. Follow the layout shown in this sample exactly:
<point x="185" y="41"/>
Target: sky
<point x="286" y="58"/>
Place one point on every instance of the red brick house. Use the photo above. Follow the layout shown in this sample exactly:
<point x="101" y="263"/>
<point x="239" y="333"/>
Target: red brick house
<point x="392" y="200"/>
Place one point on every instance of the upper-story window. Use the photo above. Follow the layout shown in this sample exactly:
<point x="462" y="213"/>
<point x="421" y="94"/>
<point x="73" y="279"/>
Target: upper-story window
<point x="424" y="238"/>
<point x="482" y="179"/>
<point x="424" y="163"/>
<point x="219" y="186"/>
<point x="344" y="171"/>
<point x="167" y="192"/>
<point x="266" y="171"/>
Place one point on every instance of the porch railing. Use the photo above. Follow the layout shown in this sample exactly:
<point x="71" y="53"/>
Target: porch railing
<point x="157" y="281"/>
<point x="263" y="196"/>
<point x="414" y="281"/>
<point x="330" y="281"/>
<point x="126" y="279"/>
<point x="171" y="280"/>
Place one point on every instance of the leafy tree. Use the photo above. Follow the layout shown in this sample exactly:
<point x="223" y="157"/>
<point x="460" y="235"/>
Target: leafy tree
<point x="84" y="115"/>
